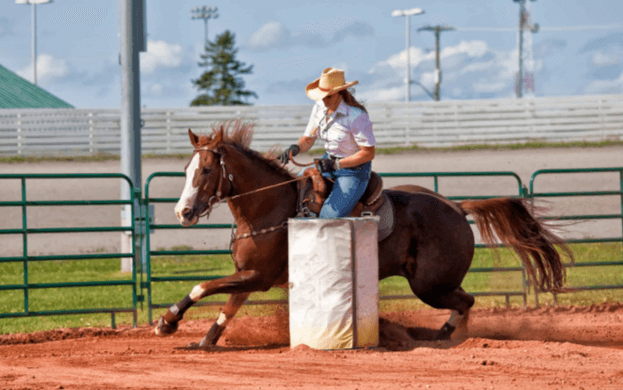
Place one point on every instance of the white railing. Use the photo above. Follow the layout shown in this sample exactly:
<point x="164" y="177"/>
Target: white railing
<point x="72" y="132"/>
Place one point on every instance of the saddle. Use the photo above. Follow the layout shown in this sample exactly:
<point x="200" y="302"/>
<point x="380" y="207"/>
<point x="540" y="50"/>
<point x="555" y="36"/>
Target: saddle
<point x="374" y="202"/>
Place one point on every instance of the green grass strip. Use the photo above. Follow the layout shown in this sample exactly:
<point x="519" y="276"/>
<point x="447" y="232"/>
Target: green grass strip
<point x="166" y="292"/>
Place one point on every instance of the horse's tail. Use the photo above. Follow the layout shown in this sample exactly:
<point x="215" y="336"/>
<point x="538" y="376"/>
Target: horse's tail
<point x="516" y="227"/>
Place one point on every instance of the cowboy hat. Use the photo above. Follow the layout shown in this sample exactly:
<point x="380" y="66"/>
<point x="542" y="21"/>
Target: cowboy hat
<point x="331" y="81"/>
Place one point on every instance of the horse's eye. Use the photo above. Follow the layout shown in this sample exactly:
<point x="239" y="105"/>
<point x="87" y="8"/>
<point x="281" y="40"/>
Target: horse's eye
<point x="206" y="170"/>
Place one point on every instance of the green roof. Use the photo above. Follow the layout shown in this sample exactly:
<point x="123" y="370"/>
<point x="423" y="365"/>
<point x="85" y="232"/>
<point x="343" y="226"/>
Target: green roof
<point x="16" y="92"/>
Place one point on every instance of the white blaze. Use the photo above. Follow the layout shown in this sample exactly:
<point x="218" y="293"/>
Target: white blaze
<point x="189" y="194"/>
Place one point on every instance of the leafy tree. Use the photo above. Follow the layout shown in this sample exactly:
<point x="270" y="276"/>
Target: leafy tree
<point x="222" y="82"/>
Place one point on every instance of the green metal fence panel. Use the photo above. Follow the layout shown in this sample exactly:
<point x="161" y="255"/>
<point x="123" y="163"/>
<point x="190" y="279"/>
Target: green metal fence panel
<point x="586" y="193"/>
<point x="27" y="285"/>
<point x="141" y="226"/>
<point x="150" y="279"/>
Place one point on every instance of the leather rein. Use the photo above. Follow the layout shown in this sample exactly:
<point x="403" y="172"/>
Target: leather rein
<point x="217" y="198"/>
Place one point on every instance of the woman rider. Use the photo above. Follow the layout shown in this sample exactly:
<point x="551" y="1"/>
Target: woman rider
<point x="343" y="124"/>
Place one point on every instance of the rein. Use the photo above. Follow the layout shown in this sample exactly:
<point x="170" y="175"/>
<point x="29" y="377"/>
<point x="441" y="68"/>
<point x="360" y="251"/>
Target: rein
<point x="300" y="165"/>
<point x="269" y="187"/>
<point x="217" y="198"/>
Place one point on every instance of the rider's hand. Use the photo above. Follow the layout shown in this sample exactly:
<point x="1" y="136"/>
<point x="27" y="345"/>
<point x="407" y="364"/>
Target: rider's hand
<point x="285" y="156"/>
<point x="327" y="165"/>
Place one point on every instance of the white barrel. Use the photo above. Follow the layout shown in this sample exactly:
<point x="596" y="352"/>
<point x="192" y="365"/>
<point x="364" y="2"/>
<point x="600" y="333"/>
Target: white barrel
<point x="334" y="277"/>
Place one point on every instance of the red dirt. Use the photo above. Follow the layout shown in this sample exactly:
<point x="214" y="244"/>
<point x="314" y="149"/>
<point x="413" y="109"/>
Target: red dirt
<point x="547" y="348"/>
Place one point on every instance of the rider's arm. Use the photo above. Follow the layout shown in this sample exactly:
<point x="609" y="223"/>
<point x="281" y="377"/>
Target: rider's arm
<point x="305" y="143"/>
<point x="365" y="154"/>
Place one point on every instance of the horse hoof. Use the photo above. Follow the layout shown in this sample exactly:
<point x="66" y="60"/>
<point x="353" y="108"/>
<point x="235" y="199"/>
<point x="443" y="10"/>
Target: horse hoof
<point x="445" y="332"/>
<point x="165" y="328"/>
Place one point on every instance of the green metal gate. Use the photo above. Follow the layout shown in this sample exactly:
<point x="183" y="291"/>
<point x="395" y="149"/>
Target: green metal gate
<point x="27" y="260"/>
<point x="588" y="194"/>
<point x="142" y="277"/>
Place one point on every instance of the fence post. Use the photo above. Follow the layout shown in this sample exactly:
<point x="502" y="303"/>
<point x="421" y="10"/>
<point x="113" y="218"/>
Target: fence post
<point x="407" y="126"/>
<point x="19" y="134"/>
<point x="91" y="148"/>
<point x="600" y="113"/>
<point x="168" y="145"/>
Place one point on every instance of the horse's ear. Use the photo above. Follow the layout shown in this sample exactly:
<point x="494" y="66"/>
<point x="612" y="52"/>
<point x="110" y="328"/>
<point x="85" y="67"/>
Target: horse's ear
<point x="217" y="140"/>
<point x="194" y="139"/>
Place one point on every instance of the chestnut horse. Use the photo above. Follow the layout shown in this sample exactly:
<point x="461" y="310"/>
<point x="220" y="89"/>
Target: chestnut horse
<point x="432" y="244"/>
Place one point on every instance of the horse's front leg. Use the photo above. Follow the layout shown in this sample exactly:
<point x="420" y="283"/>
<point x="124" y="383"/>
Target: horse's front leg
<point x="234" y="303"/>
<point x="240" y="285"/>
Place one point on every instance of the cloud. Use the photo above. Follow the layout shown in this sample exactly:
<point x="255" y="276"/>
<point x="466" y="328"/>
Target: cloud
<point x="470" y="69"/>
<point x="598" y="87"/>
<point x="268" y="35"/>
<point x="547" y="47"/>
<point x="399" y="60"/>
<point x="49" y="69"/>
<point x="607" y="41"/>
<point x="275" y="34"/>
<point x="475" y="49"/>
<point x="606" y="59"/>
<point x="159" y="55"/>
<point x="383" y="95"/>
<point x="357" y="29"/>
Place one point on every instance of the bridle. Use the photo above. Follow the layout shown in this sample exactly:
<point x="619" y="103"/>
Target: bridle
<point x="217" y="198"/>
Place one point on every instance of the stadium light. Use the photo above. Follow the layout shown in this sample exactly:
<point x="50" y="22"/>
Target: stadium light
<point x="34" y="33"/>
<point x="204" y="13"/>
<point x="407" y="13"/>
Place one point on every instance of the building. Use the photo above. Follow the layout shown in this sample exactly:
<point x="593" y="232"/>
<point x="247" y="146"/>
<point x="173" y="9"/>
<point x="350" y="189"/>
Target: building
<point x="16" y="92"/>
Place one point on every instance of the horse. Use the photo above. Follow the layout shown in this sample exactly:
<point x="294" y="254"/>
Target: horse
<point x="432" y="244"/>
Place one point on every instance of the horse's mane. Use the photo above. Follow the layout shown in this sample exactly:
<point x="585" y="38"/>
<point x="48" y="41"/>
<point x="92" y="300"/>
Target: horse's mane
<point x="239" y="135"/>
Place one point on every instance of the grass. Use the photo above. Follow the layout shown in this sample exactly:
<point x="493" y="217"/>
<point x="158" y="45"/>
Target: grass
<point x="12" y="301"/>
<point x="379" y="150"/>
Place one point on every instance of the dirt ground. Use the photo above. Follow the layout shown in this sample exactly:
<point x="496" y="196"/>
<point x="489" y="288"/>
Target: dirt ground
<point x="546" y="348"/>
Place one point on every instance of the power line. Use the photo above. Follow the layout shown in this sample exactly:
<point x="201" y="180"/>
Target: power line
<point x="552" y="28"/>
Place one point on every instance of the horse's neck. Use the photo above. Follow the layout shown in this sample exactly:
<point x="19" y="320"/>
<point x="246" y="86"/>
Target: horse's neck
<point x="254" y="204"/>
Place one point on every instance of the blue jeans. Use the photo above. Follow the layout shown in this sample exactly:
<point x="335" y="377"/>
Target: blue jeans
<point x="349" y="186"/>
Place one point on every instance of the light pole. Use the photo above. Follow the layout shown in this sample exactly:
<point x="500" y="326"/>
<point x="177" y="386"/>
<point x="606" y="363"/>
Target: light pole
<point x="34" y="33"/>
<point x="407" y="13"/>
<point x="204" y="13"/>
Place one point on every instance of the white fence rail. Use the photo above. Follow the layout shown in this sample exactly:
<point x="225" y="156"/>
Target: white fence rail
<point x="73" y="132"/>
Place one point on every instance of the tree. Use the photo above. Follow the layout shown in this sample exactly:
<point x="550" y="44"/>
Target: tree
<point x="222" y="82"/>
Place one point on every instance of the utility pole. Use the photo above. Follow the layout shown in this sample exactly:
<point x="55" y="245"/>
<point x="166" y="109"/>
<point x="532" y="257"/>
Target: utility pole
<point x="132" y="34"/>
<point x="524" y="25"/>
<point x="205" y="13"/>
<point x="407" y="13"/>
<point x="437" y="30"/>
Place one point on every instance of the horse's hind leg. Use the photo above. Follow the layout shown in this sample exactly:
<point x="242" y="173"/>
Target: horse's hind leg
<point x="458" y="301"/>
<point x="231" y="308"/>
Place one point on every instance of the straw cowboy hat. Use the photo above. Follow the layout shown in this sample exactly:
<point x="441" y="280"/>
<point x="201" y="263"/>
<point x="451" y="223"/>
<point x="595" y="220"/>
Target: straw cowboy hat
<point x="331" y="81"/>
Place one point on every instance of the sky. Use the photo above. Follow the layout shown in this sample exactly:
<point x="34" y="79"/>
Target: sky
<point x="289" y="43"/>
